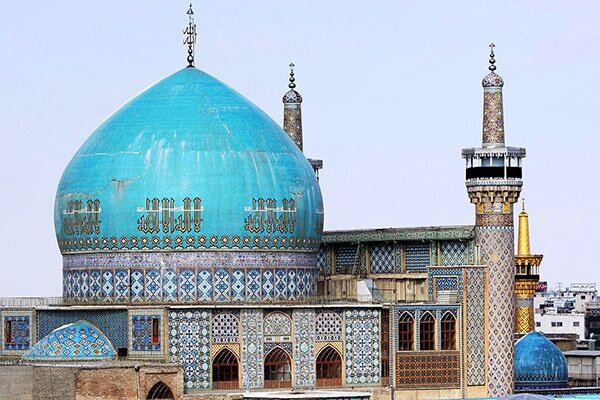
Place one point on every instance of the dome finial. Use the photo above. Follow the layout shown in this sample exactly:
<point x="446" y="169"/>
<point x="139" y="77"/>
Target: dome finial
<point x="190" y="38"/>
<point x="523" y="204"/>
<point x="492" y="67"/>
<point x="292" y="85"/>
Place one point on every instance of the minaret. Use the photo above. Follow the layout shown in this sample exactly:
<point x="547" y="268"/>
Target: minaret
<point x="527" y="276"/>
<point x="493" y="180"/>
<point x="292" y="111"/>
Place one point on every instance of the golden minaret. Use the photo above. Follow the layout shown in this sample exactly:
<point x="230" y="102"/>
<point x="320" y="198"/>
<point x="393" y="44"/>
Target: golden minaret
<point x="527" y="276"/>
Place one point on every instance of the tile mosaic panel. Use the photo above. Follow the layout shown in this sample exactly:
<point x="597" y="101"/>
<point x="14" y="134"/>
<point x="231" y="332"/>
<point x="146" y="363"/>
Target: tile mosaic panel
<point x="252" y="348"/>
<point x="114" y="323"/>
<point x="362" y="346"/>
<point x="141" y="333"/>
<point x="427" y="369"/>
<point x="446" y="283"/>
<point x="191" y="285"/>
<point x="345" y="258"/>
<point x="417" y="256"/>
<point x="277" y="324"/>
<point x="328" y="326"/>
<point x="475" y="320"/>
<point x="17" y="328"/>
<point x="304" y="347"/>
<point x="189" y="345"/>
<point x="454" y="253"/>
<point x="225" y="328"/>
<point x="382" y="259"/>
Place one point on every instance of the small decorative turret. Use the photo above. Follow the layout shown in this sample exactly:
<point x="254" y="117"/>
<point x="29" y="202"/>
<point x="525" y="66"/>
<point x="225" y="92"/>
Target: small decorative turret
<point x="527" y="276"/>
<point x="292" y="111"/>
<point x="493" y="180"/>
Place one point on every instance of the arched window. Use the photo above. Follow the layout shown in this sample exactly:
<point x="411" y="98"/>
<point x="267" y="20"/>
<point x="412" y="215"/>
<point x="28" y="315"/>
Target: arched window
<point x="278" y="371"/>
<point x="448" y="332"/>
<point x="225" y="371"/>
<point x="427" y="332"/>
<point x="160" y="391"/>
<point x="329" y="368"/>
<point x="406" y="332"/>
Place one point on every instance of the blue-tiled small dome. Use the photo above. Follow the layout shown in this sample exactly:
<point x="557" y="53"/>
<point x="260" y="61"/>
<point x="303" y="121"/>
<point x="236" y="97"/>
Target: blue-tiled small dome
<point x="539" y="364"/>
<point x="79" y="340"/>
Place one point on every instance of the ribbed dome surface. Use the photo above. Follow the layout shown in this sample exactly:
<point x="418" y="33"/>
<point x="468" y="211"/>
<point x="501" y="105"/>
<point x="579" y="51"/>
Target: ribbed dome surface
<point x="539" y="364"/>
<point x="189" y="163"/>
<point x="80" y="340"/>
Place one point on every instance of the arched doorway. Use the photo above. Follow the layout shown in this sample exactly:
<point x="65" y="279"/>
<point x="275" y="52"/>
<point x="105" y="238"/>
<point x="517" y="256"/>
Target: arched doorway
<point x="329" y="368"/>
<point x="225" y="371"/>
<point x="160" y="391"/>
<point x="278" y="370"/>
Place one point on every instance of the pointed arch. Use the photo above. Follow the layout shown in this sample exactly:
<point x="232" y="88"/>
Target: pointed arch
<point x="225" y="370"/>
<point x="278" y="369"/>
<point x="448" y="333"/>
<point x="329" y="367"/>
<point x="406" y="332"/>
<point x="160" y="391"/>
<point x="427" y="331"/>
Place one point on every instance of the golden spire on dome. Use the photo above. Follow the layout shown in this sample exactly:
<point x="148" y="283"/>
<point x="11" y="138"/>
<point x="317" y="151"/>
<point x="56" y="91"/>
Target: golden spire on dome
<point x="190" y="38"/>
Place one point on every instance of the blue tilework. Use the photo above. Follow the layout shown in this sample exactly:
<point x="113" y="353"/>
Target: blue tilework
<point x="112" y="323"/>
<point x="19" y="332"/>
<point x="76" y="341"/>
<point x="141" y="333"/>
<point x="362" y="346"/>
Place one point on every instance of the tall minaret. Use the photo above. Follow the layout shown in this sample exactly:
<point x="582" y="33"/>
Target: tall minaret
<point x="527" y="276"/>
<point x="292" y="111"/>
<point x="493" y="180"/>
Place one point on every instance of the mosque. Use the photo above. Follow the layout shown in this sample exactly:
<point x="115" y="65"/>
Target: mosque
<point x="195" y="262"/>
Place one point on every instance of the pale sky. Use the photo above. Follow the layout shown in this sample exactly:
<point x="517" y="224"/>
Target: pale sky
<point x="392" y="93"/>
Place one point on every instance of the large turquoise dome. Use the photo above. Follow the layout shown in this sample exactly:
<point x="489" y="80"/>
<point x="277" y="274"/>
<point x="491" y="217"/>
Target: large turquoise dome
<point x="188" y="167"/>
<point x="539" y="364"/>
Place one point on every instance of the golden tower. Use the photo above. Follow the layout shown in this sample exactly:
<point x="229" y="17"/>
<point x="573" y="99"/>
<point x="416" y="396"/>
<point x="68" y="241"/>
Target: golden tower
<point x="527" y="276"/>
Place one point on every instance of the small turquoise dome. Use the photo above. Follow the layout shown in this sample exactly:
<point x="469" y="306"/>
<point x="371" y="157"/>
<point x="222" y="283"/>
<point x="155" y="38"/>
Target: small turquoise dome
<point x="79" y="340"/>
<point x="539" y="364"/>
<point x="188" y="164"/>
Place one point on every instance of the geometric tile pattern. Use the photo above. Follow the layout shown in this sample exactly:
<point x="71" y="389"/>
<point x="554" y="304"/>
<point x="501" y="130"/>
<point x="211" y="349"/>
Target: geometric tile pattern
<point x="434" y="274"/>
<point x="114" y="323"/>
<point x="76" y="341"/>
<point x="428" y="369"/>
<point x="328" y="326"/>
<point x="362" y="346"/>
<point x="202" y="242"/>
<point x="225" y="328"/>
<point x="277" y="324"/>
<point x="141" y="333"/>
<point x="324" y="260"/>
<point x="497" y="252"/>
<point x="475" y="318"/>
<point x="304" y="347"/>
<point x="252" y="348"/>
<point x="417" y="256"/>
<point x="382" y="259"/>
<point x="189" y="284"/>
<point x="454" y="253"/>
<point x="345" y="258"/>
<point x="19" y="332"/>
<point x="189" y="345"/>
<point x="446" y="283"/>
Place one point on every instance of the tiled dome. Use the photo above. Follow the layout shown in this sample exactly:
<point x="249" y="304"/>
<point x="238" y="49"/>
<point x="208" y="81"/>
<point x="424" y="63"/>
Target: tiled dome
<point x="539" y="364"/>
<point x="79" y="340"/>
